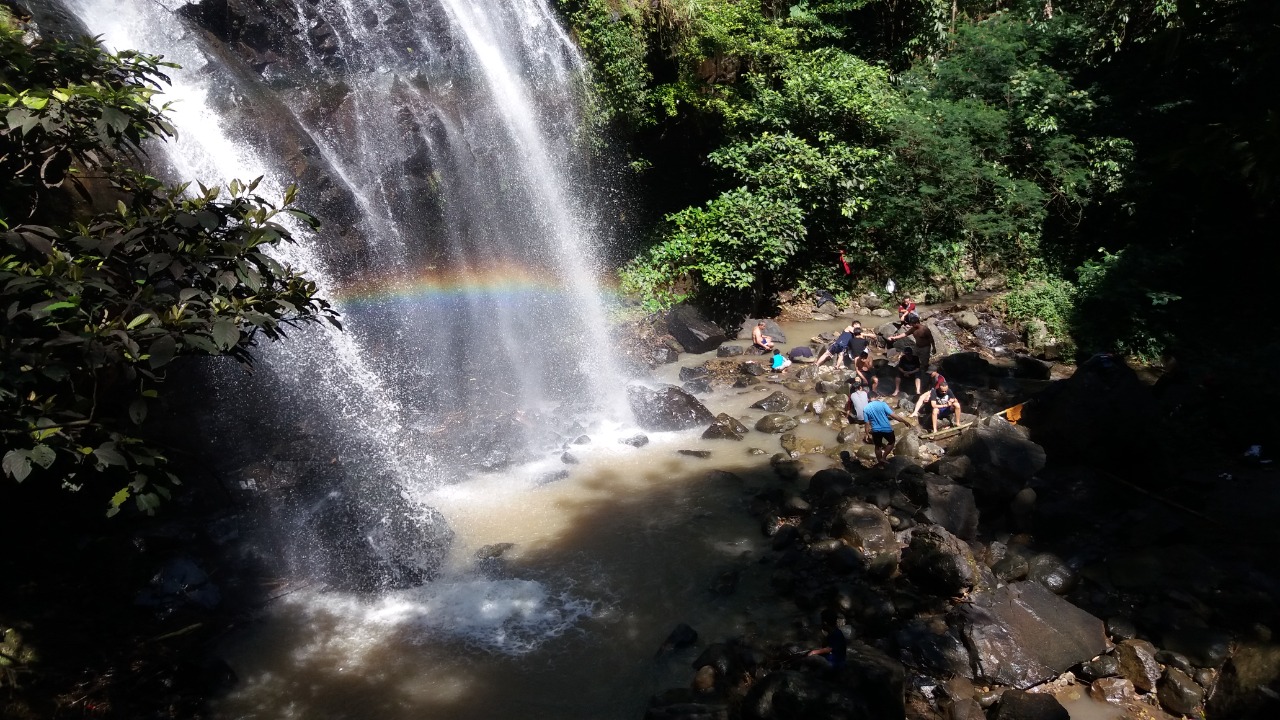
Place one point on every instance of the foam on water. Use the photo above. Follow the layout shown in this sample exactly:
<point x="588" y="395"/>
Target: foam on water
<point x="508" y="617"/>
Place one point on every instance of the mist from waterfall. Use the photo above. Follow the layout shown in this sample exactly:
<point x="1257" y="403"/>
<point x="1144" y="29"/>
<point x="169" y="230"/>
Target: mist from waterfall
<point x="442" y="144"/>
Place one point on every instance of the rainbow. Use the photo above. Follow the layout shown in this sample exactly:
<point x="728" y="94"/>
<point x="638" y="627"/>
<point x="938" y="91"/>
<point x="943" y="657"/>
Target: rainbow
<point x="502" y="281"/>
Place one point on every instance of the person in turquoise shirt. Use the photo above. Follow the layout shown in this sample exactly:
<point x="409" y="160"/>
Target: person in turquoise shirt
<point x="879" y="428"/>
<point x="780" y="362"/>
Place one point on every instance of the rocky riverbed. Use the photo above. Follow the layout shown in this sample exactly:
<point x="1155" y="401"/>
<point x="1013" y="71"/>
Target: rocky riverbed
<point x="979" y="576"/>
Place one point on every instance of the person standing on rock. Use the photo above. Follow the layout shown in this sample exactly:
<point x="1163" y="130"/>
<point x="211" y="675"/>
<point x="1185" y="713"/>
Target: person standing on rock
<point x="759" y="339"/>
<point x="944" y="405"/>
<point x="879" y="428"/>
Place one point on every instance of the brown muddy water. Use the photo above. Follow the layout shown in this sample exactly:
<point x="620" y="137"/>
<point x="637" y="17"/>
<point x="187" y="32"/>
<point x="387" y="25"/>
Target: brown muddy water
<point x="569" y="623"/>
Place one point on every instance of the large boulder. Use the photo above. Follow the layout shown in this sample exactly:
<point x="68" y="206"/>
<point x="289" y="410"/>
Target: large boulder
<point x="668" y="408"/>
<point x="1004" y="461"/>
<point x="776" y="402"/>
<point x="941" y="563"/>
<point x="944" y="503"/>
<point x="1022" y="635"/>
<point x="771" y="328"/>
<point x="696" y="333"/>
<point x="866" y="527"/>
<point x="734" y="427"/>
<point x="966" y="368"/>
<point x="776" y="423"/>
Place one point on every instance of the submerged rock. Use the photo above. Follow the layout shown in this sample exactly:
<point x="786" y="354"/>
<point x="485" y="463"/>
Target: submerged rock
<point x="635" y="440"/>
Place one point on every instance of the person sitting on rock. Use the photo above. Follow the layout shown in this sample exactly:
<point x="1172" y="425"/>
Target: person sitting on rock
<point x="837" y="645"/>
<point x="945" y="405"/>
<point x="905" y="308"/>
<point x="759" y="339"/>
<point x="864" y="369"/>
<point x="780" y="362"/>
<point x="937" y="381"/>
<point x="879" y="428"/>
<point x="908" y="367"/>
<point x="857" y="402"/>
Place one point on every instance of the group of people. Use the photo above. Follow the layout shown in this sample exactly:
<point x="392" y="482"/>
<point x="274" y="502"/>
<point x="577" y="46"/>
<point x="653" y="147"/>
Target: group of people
<point x="853" y="346"/>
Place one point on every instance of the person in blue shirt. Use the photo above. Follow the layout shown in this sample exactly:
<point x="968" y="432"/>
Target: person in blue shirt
<point x="879" y="430"/>
<point x="780" y="362"/>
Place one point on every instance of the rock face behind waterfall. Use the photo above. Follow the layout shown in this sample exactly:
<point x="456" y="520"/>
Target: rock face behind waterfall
<point x="370" y="541"/>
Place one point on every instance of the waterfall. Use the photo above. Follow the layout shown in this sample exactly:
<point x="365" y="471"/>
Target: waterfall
<point x="442" y="144"/>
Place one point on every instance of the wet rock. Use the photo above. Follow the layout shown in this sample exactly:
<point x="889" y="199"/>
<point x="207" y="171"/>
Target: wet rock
<point x="704" y="680"/>
<point x="729" y="351"/>
<point x="1011" y="567"/>
<point x="569" y="459"/>
<point x="1102" y="667"/>
<point x="669" y="408"/>
<point x="881" y="313"/>
<point x="697" y="387"/>
<point x="831" y="386"/>
<point x="865" y="527"/>
<point x="776" y="423"/>
<point x="1049" y="570"/>
<point x="771" y="328"/>
<point x="1138" y="663"/>
<point x="956" y="467"/>
<point x="966" y="368"/>
<point x="582" y="440"/>
<point x="663" y="355"/>
<point x="793" y="694"/>
<point x="1114" y="690"/>
<point x="1022" y="509"/>
<point x="878" y="679"/>
<point x="1022" y="635"/>
<point x="682" y="636"/>
<point x="967" y="320"/>
<point x="1019" y="705"/>
<point x="1028" y="368"/>
<point x="1175" y="660"/>
<point x="635" y="440"/>
<point x="1205" y="647"/>
<point x="693" y="373"/>
<point x="945" y="503"/>
<point x="939" y="562"/>
<point x="752" y="368"/>
<point x="1121" y="628"/>
<point x="180" y="582"/>
<point x="1243" y="687"/>
<point x="373" y="540"/>
<point x="701" y="454"/>
<point x="726" y="427"/>
<point x="776" y="402"/>
<point x="696" y="333"/>
<point x="933" y="645"/>
<point x="829" y="483"/>
<point x="995" y="337"/>
<point x="1178" y="693"/>
<point x="796" y="445"/>
<point x="1003" y="460"/>
<point x="757" y="451"/>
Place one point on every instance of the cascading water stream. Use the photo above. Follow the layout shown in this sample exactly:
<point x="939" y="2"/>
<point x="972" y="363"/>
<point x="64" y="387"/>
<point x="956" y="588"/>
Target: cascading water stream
<point x="439" y="140"/>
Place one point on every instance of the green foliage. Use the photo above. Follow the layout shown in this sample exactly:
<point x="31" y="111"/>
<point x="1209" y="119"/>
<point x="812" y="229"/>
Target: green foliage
<point x="1122" y="305"/>
<point x="97" y="309"/>
<point x="1042" y="296"/>
<point x="731" y="243"/>
<point x="616" y="40"/>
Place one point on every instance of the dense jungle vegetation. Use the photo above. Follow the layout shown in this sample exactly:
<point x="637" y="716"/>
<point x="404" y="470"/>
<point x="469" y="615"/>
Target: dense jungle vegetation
<point x="1114" y="161"/>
